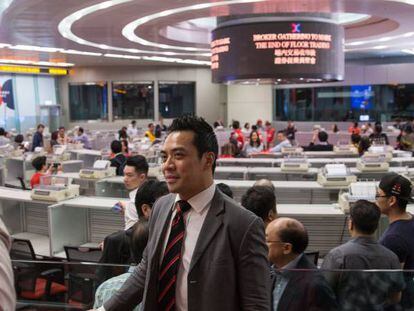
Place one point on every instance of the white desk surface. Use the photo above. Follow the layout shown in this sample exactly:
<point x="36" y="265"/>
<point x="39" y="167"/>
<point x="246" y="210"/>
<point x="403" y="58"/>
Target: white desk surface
<point x="87" y="151"/>
<point x="16" y="195"/>
<point x="246" y="160"/>
<point x="278" y="184"/>
<point x="275" y="170"/>
<point x="114" y="179"/>
<point x="40" y="242"/>
<point x="308" y="209"/>
<point x="90" y="202"/>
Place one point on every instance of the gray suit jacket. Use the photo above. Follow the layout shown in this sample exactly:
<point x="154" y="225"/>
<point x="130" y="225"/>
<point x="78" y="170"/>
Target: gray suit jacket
<point x="229" y="268"/>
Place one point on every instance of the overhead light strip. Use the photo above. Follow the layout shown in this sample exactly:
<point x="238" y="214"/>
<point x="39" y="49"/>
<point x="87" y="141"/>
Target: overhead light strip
<point x="129" y="30"/>
<point x="65" y="29"/>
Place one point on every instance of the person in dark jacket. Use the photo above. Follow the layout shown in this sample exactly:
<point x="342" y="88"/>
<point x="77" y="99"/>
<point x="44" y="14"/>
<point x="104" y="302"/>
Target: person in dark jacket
<point x="38" y="137"/>
<point x="119" y="159"/>
<point x="294" y="290"/>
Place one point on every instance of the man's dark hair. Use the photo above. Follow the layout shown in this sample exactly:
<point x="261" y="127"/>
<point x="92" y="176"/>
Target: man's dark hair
<point x="19" y="138"/>
<point x="282" y="132"/>
<point x="139" y="239"/>
<point x="80" y="129"/>
<point x="365" y="216"/>
<point x="2" y="131"/>
<point x="216" y="124"/>
<point x="116" y="146"/>
<point x="323" y="136"/>
<point x="355" y="138"/>
<point x="355" y="124"/>
<point x="133" y="122"/>
<point x="254" y="127"/>
<point x="204" y="137"/>
<point x="148" y="193"/>
<point x="40" y="126"/>
<point x="260" y="200"/>
<point x="378" y="128"/>
<point x="139" y="162"/>
<point x="235" y="125"/>
<point x="38" y="163"/>
<point x="61" y="128"/>
<point x="225" y="189"/>
<point x="54" y="135"/>
<point x="296" y="236"/>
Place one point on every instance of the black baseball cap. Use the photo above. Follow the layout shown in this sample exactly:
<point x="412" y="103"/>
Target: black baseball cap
<point x="396" y="185"/>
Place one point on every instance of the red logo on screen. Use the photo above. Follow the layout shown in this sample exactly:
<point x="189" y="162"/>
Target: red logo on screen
<point x="296" y="27"/>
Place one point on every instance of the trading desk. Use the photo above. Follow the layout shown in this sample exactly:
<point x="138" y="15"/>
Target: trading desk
<point x="314" y="162"/>
<point x="290" y="192"/>
<point x="111" y="187"/>
<point x="87" y="186"/>
<point x="82" y="221"/>
<point x="276" y="174"/>
<point x="18" y="168"/>
<point x="26" y="218"/>
<point x="86" y="155"/>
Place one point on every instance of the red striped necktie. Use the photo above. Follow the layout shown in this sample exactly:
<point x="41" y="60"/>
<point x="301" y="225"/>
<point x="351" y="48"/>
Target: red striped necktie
<point x="171" y="261"/>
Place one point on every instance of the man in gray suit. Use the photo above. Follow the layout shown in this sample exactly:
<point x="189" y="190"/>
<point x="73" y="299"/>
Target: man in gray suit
<point x="205" y="252"/>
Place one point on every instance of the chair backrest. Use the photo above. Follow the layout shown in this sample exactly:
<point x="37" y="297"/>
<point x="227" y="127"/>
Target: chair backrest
<point x="79" y="253"/>
<point x="22" y="249"/>
<point x="313" y="256"/>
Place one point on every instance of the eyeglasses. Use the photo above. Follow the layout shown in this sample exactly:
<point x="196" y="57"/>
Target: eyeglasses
<point x="381" y="196"/>
<point x="275" y="241"/>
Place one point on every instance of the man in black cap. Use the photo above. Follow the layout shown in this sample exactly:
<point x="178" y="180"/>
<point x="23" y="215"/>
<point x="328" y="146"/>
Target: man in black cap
<point x="393" y="195"/>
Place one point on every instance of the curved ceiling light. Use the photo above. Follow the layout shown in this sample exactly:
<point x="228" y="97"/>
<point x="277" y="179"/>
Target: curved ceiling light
<point x="129" y="30"/>
<point x="383" y="39"/>
<point x="65" y="29"/>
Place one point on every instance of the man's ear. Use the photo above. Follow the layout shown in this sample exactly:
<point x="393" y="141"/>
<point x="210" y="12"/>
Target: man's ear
<point x="146" y="210"/>
<point x="287" y="248"/>
<point x="210" y="158"/>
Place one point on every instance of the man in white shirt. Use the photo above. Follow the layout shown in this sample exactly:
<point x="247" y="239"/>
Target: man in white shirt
<point x="283" y="142"/>
<point x="205" y="252"/>
<point x="3" y="139"/>
<point x="132" y="130"/>
<point x="116" y="246"/>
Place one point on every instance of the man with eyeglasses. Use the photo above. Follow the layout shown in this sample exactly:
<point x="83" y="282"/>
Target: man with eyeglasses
<point x="293" y="289"/>
<point x="394" y="193"/>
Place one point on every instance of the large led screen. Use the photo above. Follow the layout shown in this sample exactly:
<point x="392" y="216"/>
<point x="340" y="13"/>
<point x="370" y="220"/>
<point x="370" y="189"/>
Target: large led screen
<point x="281" y="51"/>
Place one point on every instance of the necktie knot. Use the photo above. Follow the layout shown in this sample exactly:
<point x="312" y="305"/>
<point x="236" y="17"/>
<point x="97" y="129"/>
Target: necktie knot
<point x="183" y="206"/>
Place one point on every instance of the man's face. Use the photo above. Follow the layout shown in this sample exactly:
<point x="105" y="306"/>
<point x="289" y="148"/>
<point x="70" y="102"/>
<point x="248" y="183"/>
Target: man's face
<point x="40" y="130"/>
<point x="61" y="132"/>
<point x="280" y="137"/>
<point x="276" y="247"/>
<point x="151" y="127"/>
<point x="183" y="169"/>
<point x="133" y="179"/>
<point x="383" y="201"/>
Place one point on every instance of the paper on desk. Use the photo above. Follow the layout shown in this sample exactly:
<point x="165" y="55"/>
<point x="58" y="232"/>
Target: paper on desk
<point x="336" y="169"/>
<point x="101" y="164"/>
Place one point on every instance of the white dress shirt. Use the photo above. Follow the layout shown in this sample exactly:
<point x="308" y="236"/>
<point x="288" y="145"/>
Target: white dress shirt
<point x="131" y="215"/>
<point x="194" y="220"/>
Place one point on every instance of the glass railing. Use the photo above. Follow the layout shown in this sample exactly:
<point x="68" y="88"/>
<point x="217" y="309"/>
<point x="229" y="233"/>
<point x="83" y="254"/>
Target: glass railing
<point x="53" y="285"/>
<point x="50" y="285"/>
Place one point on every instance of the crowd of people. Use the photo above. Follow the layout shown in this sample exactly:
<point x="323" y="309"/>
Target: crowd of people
<point x="258" y="138"/>
<point x="198" y="237"/>
<point x="198" y="249"/>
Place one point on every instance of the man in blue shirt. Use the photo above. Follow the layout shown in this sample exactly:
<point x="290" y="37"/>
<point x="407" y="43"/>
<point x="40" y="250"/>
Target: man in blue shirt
<point x="38" y="137"/>
<point x="283" y="142"/>
<point x="394" y="193"/>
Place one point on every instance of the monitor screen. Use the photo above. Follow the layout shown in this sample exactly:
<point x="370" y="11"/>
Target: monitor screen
<point x="362" y="97"/>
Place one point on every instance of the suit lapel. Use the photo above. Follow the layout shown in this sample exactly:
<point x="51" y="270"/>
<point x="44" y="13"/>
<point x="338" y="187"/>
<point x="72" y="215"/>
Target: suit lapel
<point x="212" y="223"/>
<point x="162" y="226"/>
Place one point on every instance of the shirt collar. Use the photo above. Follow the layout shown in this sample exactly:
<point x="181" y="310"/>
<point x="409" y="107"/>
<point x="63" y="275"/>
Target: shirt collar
<point x="132" y="194"/>
<point x="201" y="199"/>
<point x="293" y="263"/>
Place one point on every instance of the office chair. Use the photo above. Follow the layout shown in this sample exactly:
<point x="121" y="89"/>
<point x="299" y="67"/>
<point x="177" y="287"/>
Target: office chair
<point x="82" y="278"/>
<point x="313" y="257"/>
<point x="35" y="281"/>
